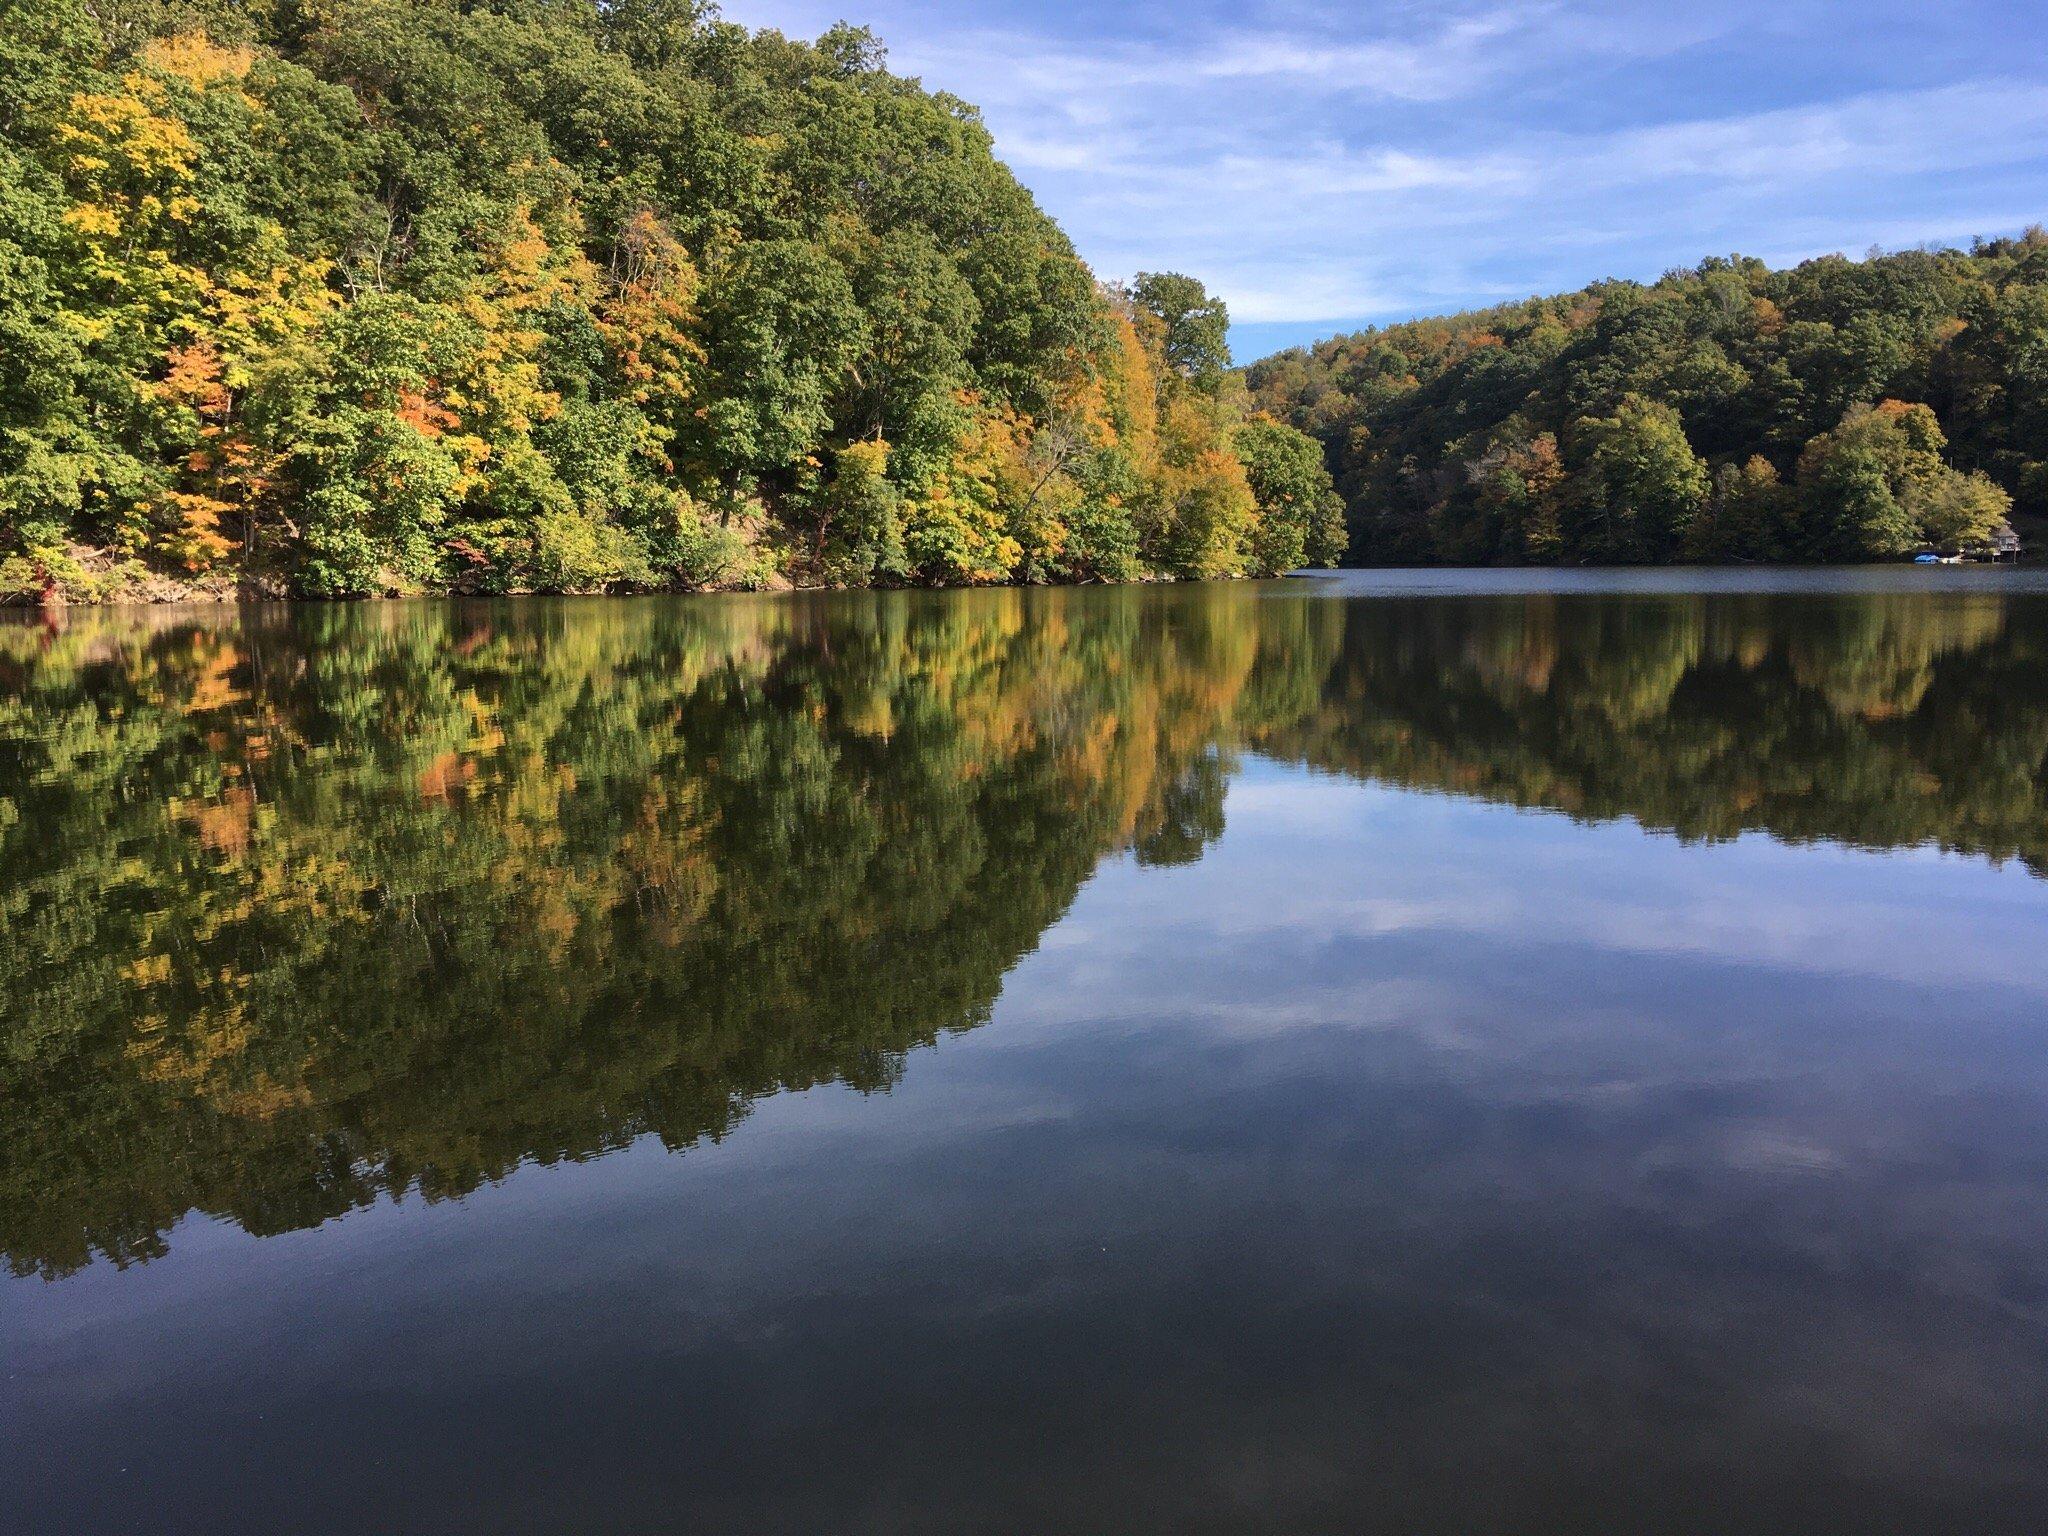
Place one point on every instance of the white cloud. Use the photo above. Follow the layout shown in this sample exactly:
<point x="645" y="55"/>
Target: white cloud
<point x="1287" y="231"/>
<point x="1946" y="129"/>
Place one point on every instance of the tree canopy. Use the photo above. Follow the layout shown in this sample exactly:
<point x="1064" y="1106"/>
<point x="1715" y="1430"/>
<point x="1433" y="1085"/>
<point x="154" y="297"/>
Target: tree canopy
<point x="1840" y="410"/>
<point x="338" y="297"/>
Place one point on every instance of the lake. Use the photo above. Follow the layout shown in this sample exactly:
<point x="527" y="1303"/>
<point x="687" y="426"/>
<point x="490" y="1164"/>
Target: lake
<point x="1385" y="1052"/>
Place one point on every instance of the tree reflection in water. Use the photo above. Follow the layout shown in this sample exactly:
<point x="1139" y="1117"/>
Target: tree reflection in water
<point x="299" y="907"/>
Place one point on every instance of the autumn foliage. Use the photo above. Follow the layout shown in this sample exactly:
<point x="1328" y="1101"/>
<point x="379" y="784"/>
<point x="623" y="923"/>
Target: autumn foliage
<point x="412" y="295"/>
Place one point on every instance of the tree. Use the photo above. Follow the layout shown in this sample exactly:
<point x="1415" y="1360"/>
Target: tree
<point x="1638" y="485"/>
<point x="1876" y="486"/>
<point x="1301" y="517"/>
<point x="1746" y="514"/>
<point x="1961" y="511"/>
<point x="1517" y="481"/>
<point x="1196" y="325"/>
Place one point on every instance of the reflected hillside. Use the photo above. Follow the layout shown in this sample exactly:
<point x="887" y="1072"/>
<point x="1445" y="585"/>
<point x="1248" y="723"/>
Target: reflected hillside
<point x="301" y="907"/>
<point x="1877" y="720"/>
<point x="318" y="904"/>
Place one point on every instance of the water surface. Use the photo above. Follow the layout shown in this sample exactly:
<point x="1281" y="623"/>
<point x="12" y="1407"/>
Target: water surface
<point x="1386" y="1052"/>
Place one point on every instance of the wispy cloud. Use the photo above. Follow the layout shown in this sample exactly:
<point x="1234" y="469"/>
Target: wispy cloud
<point x="1451" y="62"/>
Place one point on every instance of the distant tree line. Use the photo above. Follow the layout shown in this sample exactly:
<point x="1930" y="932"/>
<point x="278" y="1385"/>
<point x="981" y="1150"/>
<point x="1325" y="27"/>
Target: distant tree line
<point x="354" y="296"/>
<point x="1841" y="410"/>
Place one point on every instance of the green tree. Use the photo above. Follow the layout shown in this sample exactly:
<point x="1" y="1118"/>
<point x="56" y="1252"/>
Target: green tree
<point x="1301" y="518"/>
<point x="1877" y="485"/>
<point x="1746" y="515"/>
<point x="1195" y="322"/>
<point x="1637" y="488"/>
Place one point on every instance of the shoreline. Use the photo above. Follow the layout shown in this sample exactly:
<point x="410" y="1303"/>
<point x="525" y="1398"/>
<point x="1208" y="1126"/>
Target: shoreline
<point x="167" y="594"/>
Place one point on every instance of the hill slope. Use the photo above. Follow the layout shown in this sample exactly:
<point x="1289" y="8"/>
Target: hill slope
<point x="348" y="296"/>
<point x="1837" y="411"/>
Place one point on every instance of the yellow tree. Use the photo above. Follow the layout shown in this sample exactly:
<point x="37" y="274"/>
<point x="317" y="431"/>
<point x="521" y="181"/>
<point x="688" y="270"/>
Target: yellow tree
<point x="960" y="528"/>
<point x="647" y="318"/>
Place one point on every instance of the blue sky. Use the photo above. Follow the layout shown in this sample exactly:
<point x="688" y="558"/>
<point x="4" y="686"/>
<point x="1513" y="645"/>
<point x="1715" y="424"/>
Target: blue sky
<point x="1326" y="166"/>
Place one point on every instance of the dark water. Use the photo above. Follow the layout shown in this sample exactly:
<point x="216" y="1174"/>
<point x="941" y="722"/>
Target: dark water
<point x="1384" y="1054"/>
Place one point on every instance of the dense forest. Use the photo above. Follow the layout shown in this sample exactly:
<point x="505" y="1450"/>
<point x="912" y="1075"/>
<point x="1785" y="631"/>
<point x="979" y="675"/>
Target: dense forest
<point x="1841" y="410"/>
<point x="305" y="907"/>
<point x="339" y="297"/>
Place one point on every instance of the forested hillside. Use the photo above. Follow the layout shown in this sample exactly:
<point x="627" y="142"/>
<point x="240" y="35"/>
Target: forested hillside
<point x="340" y="297"/>
<point x="1837" y="411"/>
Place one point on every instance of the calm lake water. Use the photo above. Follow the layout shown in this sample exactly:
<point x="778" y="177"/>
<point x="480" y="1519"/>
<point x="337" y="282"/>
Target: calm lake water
<point x="1385" y="1053"/>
